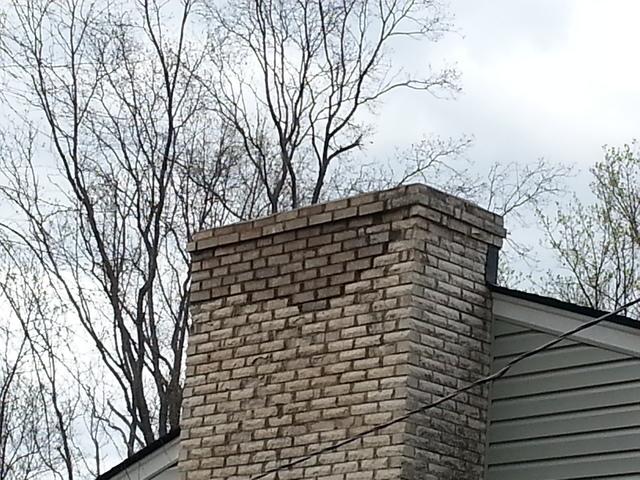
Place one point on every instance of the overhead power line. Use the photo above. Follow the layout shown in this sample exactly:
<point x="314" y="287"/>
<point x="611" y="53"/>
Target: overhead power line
<point x="481" y="381"/>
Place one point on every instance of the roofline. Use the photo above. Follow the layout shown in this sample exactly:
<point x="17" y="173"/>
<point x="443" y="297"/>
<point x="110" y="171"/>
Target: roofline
<point x="140" y="454"/>
<point x="566" y="306"/>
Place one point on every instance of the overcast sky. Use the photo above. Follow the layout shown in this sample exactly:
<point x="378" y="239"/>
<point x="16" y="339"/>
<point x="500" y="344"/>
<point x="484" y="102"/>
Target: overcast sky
<point x="541" y="78"/>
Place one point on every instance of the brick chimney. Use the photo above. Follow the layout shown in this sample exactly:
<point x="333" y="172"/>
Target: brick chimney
<point x="313" y="325"/>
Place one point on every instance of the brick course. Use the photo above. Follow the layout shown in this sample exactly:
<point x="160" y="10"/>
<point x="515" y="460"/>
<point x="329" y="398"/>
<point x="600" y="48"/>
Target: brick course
<point x="313" y="325"/>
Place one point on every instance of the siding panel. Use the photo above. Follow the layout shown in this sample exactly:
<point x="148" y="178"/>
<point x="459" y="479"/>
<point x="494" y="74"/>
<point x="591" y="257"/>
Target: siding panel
<point x="572" y="412"/>
<point x="570" y="378"/>
<point x="560" y="358"/>
<point x="620" y="466"/>
<point x="565" y="424"/>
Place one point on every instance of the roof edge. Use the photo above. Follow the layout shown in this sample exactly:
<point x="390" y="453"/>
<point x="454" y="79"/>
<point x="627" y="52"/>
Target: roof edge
<point x="140" y="454"/>
<point x="566" y="306"/>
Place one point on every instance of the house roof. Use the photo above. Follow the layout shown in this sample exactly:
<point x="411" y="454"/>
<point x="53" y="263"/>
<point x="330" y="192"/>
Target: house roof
<point x="140" y="454"/>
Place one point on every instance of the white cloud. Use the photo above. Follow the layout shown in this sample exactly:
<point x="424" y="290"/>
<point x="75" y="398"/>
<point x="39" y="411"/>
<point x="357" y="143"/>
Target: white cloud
<point x="541" y="78"/>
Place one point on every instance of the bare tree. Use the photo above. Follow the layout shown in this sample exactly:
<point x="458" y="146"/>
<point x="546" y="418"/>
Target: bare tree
<point x="37" y="406"/>
<point x="296" y="80"/>
<point x="129" y="138"/>
<point x="18" y="451"/>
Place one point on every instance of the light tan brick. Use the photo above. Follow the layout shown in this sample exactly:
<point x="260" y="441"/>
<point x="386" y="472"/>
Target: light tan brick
<point x="313" y="325"/>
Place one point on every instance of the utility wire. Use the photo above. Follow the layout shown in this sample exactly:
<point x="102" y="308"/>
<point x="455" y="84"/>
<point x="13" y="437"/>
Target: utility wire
<point x="481" y="381"/>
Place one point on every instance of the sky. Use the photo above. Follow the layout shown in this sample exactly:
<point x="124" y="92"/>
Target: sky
<point x="540" y="78"/>
<point x="556" y="79"/>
